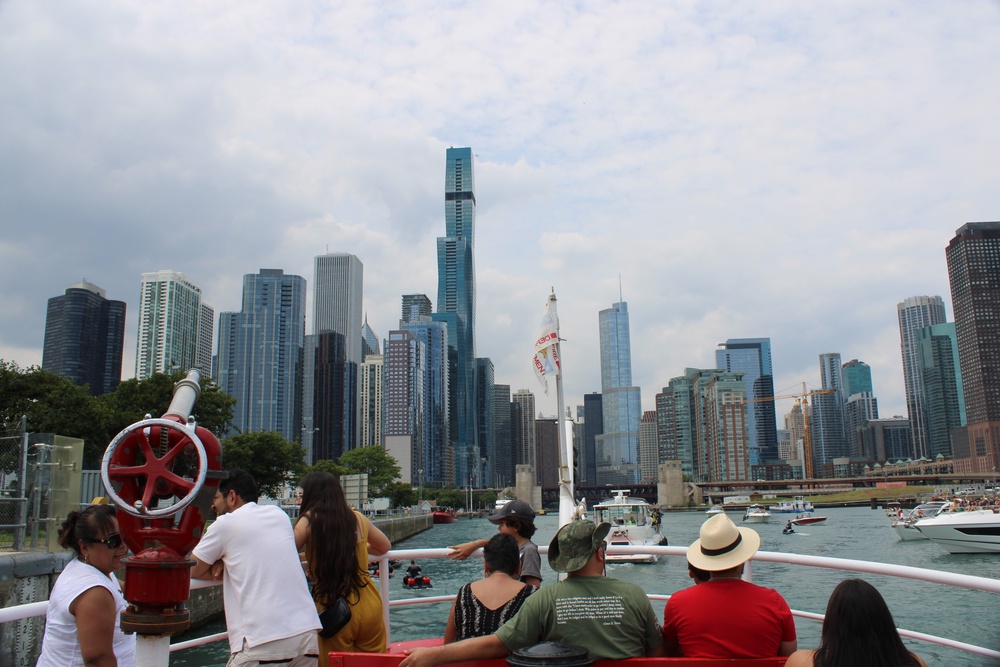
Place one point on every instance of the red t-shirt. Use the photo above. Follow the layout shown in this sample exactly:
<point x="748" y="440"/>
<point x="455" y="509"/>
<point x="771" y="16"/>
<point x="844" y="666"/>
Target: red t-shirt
<point x="728" y="618"/>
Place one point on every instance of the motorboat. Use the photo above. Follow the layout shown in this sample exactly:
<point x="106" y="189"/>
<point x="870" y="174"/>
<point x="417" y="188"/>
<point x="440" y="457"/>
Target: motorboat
<point x="798" y="505"/>
<point x="446" y="515"/>
<point x="756" y="514"/>
<point x="904" y="521"/>
<point x="633" y="523"/>
<point x="715" y="509"/>
<point x="967" y="532"/>
<point x="807" y="520"/>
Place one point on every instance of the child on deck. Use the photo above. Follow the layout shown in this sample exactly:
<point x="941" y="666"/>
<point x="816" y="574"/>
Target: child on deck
<point x="518" y="519"/>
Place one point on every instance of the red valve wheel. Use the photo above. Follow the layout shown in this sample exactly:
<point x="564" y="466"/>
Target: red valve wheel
<point x="161" y="480"/>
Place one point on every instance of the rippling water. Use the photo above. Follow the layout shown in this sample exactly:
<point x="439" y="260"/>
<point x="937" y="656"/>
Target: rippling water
<point x="854" y="532"/>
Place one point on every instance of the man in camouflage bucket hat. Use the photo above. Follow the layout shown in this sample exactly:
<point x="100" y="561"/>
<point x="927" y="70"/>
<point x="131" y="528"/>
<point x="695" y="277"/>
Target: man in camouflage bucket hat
<point x="612" y="619"/>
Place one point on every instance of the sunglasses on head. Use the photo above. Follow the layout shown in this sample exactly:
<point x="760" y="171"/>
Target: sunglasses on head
<point x="111" y="541"/>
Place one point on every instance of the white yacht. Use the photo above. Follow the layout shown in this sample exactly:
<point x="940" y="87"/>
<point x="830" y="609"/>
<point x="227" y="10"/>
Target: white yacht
<point x="972" y="532"/>
<point x="756" y="514"/>
<point x="904" y="521"/>
<point x="633" y="523"/>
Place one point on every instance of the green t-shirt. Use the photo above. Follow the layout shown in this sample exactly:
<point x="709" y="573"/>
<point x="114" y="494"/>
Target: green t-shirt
<point x="612" y="619"/>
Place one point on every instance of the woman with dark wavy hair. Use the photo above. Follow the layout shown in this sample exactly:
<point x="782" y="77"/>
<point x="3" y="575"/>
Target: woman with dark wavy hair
<point x="858" y="631"/>
<point x="337" y="541"/>
<point x="82" y="622"/>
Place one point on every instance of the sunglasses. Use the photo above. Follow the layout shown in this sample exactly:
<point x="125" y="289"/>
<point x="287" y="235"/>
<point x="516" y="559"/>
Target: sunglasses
<point x="111" y="541"/>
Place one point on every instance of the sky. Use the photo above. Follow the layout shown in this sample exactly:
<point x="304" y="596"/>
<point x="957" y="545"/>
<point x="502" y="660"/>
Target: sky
<point x="730" y="169"/>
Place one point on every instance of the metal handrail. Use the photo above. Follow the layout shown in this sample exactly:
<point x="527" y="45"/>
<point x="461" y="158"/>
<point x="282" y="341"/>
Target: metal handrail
<point x="34" y="609"/>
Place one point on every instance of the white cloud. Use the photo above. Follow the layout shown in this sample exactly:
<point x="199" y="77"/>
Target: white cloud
<point x="748" y="169"/>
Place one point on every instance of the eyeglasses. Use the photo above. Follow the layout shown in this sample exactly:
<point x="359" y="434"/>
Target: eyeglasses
<point x="111" y="541"/>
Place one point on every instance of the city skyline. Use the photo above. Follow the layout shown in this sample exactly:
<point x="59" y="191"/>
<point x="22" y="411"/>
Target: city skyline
<point x="824" y="157"/>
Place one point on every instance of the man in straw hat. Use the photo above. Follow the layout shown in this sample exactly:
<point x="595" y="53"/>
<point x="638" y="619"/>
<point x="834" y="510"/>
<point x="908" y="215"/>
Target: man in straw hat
<point x="612" y="619"/>
<point x="756" y="621"/>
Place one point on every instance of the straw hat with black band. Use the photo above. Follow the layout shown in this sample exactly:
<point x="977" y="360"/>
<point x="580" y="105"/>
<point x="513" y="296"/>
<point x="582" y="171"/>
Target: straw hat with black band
<point x="722" y="545"/>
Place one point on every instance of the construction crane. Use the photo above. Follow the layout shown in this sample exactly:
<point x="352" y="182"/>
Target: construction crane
<point x="802" y="400"/>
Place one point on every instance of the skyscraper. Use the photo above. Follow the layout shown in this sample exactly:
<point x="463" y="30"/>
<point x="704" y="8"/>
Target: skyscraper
<point x="915" y="313"/>
<point x="369" y="340"/>
<point x="456" y="302"/>
<point x="171" y="326"/>
<point x="974" y="273"/>
<point x="618" y="447"/>
<point x="372" y="401"/>
<point x="260" y="350"/>
<point x="525" y="430"/>
<point x="752" y="357"/>
<point x="484" y="421"/>
<point x="84" y="336"/>
<point x="405" y="379"/>
<point x="593" y="427"/>
<point x="503" y="465"/>
<point x="827" y="424"/>
<point x="649" y="456"/>
<point x="414" y="306"/>
<point x="337" y="308"/>
<point x="860" y="404"/>
<point x="436" y="458"/>
<point x="943" y="400"/>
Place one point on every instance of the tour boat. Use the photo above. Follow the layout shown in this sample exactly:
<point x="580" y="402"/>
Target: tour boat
<point x="797" y="506"/>
<point x="632" y="524"/>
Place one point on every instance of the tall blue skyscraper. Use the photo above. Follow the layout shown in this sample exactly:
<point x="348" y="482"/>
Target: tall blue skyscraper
<point x="456" y="305"/>
<point x="435" y="421"/>
<point x="84" y="336"/>
<point x="618" y="447"/>
<point x="260" y="351"/>
<point x="943" y="399"/>
<point x="828" y="440"/>
<point x="752" y="357"/>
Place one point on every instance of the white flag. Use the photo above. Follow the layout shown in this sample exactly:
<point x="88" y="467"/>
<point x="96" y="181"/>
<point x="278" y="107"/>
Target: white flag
<point x="546" y="359"/>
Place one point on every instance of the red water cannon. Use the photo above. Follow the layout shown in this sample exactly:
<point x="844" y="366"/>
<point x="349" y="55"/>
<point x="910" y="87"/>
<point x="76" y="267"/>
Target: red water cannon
<point x="162" y="475"/>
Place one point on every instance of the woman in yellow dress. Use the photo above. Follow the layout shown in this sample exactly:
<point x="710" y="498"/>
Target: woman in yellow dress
<point x="337" y="541"/>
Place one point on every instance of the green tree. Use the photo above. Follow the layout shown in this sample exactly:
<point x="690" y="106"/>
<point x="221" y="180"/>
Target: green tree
<point x="52" y="404"/>
<point x="326" y="465"/>
<point x="400" y="494"/>
<point x="381" y="467"/>
<point x="133" y="399"/>
<point x="272" y="460"/>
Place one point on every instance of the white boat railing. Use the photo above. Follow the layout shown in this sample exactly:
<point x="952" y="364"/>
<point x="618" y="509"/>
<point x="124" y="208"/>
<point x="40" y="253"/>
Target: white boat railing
<point x="902" y="571"/>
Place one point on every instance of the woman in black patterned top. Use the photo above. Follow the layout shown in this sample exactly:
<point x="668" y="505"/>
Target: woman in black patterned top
<point x="483" y="606"/>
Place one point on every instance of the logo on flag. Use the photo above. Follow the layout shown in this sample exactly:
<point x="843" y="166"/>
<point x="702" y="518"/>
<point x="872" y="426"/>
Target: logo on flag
<point x="546" y="360"/>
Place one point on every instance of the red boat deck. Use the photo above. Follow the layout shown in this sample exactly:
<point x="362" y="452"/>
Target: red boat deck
<point x="396" y="655"/>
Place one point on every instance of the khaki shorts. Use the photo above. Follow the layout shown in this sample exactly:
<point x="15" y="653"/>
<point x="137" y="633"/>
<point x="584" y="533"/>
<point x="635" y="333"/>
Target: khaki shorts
<point x="298" y="651"/>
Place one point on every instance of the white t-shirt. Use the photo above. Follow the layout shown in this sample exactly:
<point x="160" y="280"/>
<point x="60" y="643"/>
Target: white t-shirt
<point x="263" y="585"/>
<point x="60" y="645"/>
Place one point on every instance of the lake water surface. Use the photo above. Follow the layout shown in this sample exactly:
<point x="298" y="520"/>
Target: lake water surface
<point x="852" y="532"/>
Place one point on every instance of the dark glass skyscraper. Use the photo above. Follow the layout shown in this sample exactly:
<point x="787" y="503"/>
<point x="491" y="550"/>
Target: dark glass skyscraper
<point x="456" y="304"/>
<point x="974" y="273"/>
<point x="84" y="335"/>
<point x="618" y="446"/>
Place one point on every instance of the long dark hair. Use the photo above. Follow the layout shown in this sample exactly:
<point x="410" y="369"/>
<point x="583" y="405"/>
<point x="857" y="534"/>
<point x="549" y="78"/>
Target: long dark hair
<point x="333" y="537"/>
<point x="859" y="630"/>
<point x="86" y="525"/>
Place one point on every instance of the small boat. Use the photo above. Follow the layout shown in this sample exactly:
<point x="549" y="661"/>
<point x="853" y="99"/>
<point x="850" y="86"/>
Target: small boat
<point x="756" y="514"/>
<point x="633" y="523"/>
<point x="904" y="522"/>
<point x="797" y="506"/>
<point x="715" y="509"/>
<point x="806" y="520"/>
<point x="446" y="515"/>
<point x="967" y="532"/>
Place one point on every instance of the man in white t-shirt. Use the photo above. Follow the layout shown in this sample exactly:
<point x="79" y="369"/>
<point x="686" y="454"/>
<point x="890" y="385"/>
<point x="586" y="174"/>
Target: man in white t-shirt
<point x="270" y="614"/>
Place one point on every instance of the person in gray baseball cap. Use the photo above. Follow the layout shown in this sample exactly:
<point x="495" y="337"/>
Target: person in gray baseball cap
<point x="518" y="519"/>
<point x="610" y="618"/>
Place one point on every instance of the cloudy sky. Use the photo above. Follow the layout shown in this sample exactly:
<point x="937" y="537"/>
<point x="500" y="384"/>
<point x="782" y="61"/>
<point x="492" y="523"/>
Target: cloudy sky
<point x="736" y="169"/>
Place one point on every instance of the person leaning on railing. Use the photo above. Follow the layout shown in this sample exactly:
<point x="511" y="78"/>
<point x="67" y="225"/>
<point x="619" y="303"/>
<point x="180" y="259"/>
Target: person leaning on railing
<point x="82" y="621"/>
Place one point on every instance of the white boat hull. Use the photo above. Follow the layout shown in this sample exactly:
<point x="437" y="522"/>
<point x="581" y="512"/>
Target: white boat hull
<point x="964" y="532"/>
<point x="757" y="518"/>
<point x="907" y="532"/>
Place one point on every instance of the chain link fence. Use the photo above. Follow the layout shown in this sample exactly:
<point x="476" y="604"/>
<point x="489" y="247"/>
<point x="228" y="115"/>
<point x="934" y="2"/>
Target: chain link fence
<point x="40" y="482"/>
